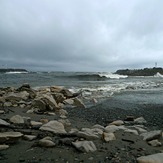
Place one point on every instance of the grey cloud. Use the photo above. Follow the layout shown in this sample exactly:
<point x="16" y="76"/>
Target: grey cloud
<point x="81" y="35"/>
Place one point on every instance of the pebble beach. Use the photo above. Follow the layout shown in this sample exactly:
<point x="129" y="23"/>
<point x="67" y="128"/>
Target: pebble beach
<point x="55" y="125"/>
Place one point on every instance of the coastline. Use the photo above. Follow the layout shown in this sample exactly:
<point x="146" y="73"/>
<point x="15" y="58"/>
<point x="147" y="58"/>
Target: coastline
<point x="126" y="147"/>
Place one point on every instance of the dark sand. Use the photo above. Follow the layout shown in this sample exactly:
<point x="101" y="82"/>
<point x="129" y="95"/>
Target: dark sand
<point x="118" y="107"/>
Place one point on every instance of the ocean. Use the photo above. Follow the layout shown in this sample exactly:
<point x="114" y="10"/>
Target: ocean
<point x="96" y="85"/>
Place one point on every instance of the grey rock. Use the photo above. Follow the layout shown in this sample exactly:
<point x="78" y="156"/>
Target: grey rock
<point x="17" y="119"/>
<point x="9" y="136"/>
<point x="155" y="143"/>
<point x="3" y="147"/>
<point x="29" y="137"/>
<point x="117" y="123"/>
<point x="54" y="126"/>
<point x="4" y="123"/>
<point x="85" y="146"/>
<point x="151" y="135"/>
<point x="140" y="120"/>
<point x="46" y="142"/>
<point x="155" y="158"/>
<point x="108" y="136"/>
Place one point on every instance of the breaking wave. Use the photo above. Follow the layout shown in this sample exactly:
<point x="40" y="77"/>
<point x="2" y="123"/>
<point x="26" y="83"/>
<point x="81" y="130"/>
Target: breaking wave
<point x="98" y="76"/>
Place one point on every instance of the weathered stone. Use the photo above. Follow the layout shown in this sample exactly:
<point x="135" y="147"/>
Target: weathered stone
<point x="2" y="111"/>
<point x="108" y="136"/>
<point x="85" y="146"/>
<point x="40" y="104"/>
<point x="66" y="93"/>
<point x="155" y="143"/>
<point x="46" y="142"/>
<point x="17" y="119"/>
<point x="99" y="127"/>
<point x="140" y="120"/>
<point x="56" y="89"/>
<point x="151" y="135"/>
<point x="117" y="123"/>
<point x="4" y="123"/>
<point x="79" y="103"/>
<point x="34" y="123"/>
<point x="7" y="104"/>
<point x="59" y="97"/>
<point x="3" y="147"/>
<point x="15" y="97"/>
<point x="69" y="101"/>
<point x="29" y="137"/>
<point x="113" y="128"/>
<point x="73" y="131"/>
<point x="9" y="136"/>
<point x="50" y="101"/>
<point x="54" y="126"/>
<point x="140" y="130"/>
<point x="155" y="158"/>
<point x="88" y="134"/>
<point x="2" y="100"/>
<point x="44" y="120"/>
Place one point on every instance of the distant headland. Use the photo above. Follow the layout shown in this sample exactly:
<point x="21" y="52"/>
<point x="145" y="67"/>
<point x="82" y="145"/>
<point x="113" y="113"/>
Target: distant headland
<point x="5" y="70"/>
<point x="140" y="72"/>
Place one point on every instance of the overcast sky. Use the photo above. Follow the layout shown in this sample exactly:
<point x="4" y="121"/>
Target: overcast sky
<point x="81" y="35"/>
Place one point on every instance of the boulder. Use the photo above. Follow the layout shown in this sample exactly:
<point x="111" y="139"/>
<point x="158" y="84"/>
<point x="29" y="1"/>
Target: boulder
<point x="50" y="101"/>
<point x="10" y="136"/>
<point x="114" y="128"/>
<point x="151" y="135"/>
<point x="26" y="87"/>
<point x="46" y="142"/>
<point x="85" y="146"/>
<point x="117" y="123"/>
<point x="3" y="147"/>
<point x="99" y="127"/>
<point x="140" y="120"/>
<point x="108" y="136"/>
<point x="89" y="134"/>
<point x="59" y="97"/>
<point x="54" y="126"/>
<point x="4" y="123"/>
<point x="17" y="119"/>
<point x="154" y="158"/>
<point x="56" y="89"/>
<point x="7" y="104"/>
<point x="155" y="143"/>
<point x="29" y="137"/>
<point x="34" y="123"/>
<point x="140" y="129"/>
<point x="78" y="103"/>
<point x="16" y="97"/>
<point x="40" y="104"/>
<point x="66" y="93"/>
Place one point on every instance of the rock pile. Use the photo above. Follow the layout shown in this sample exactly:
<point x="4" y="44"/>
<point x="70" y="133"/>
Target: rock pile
<point x="41" y="100"/>
<point x="49" y="133"/>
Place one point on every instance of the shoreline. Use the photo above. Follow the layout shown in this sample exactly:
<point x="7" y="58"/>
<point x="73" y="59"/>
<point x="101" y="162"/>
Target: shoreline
<point x="128" y="146"/>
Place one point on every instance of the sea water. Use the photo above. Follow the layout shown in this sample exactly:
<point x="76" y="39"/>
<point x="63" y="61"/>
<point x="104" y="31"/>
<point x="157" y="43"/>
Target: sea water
<point x="91" y="84"/>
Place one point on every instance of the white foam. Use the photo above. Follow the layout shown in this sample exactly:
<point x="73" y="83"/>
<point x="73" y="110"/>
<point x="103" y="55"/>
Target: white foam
<point x="112" y="76"/>
<point x="158" y="75"/>
<point x="16" y="72"/>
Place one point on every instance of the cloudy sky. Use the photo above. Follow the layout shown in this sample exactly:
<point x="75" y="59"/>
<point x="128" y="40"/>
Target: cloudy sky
<point x="81" y="35"/>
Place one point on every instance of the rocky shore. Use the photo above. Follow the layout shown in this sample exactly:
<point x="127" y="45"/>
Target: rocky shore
<point x="52" y="124"/>
<point x="140" y="72"/>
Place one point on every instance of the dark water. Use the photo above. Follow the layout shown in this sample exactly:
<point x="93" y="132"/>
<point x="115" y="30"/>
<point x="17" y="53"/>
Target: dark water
<point x="93" y="84"/>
